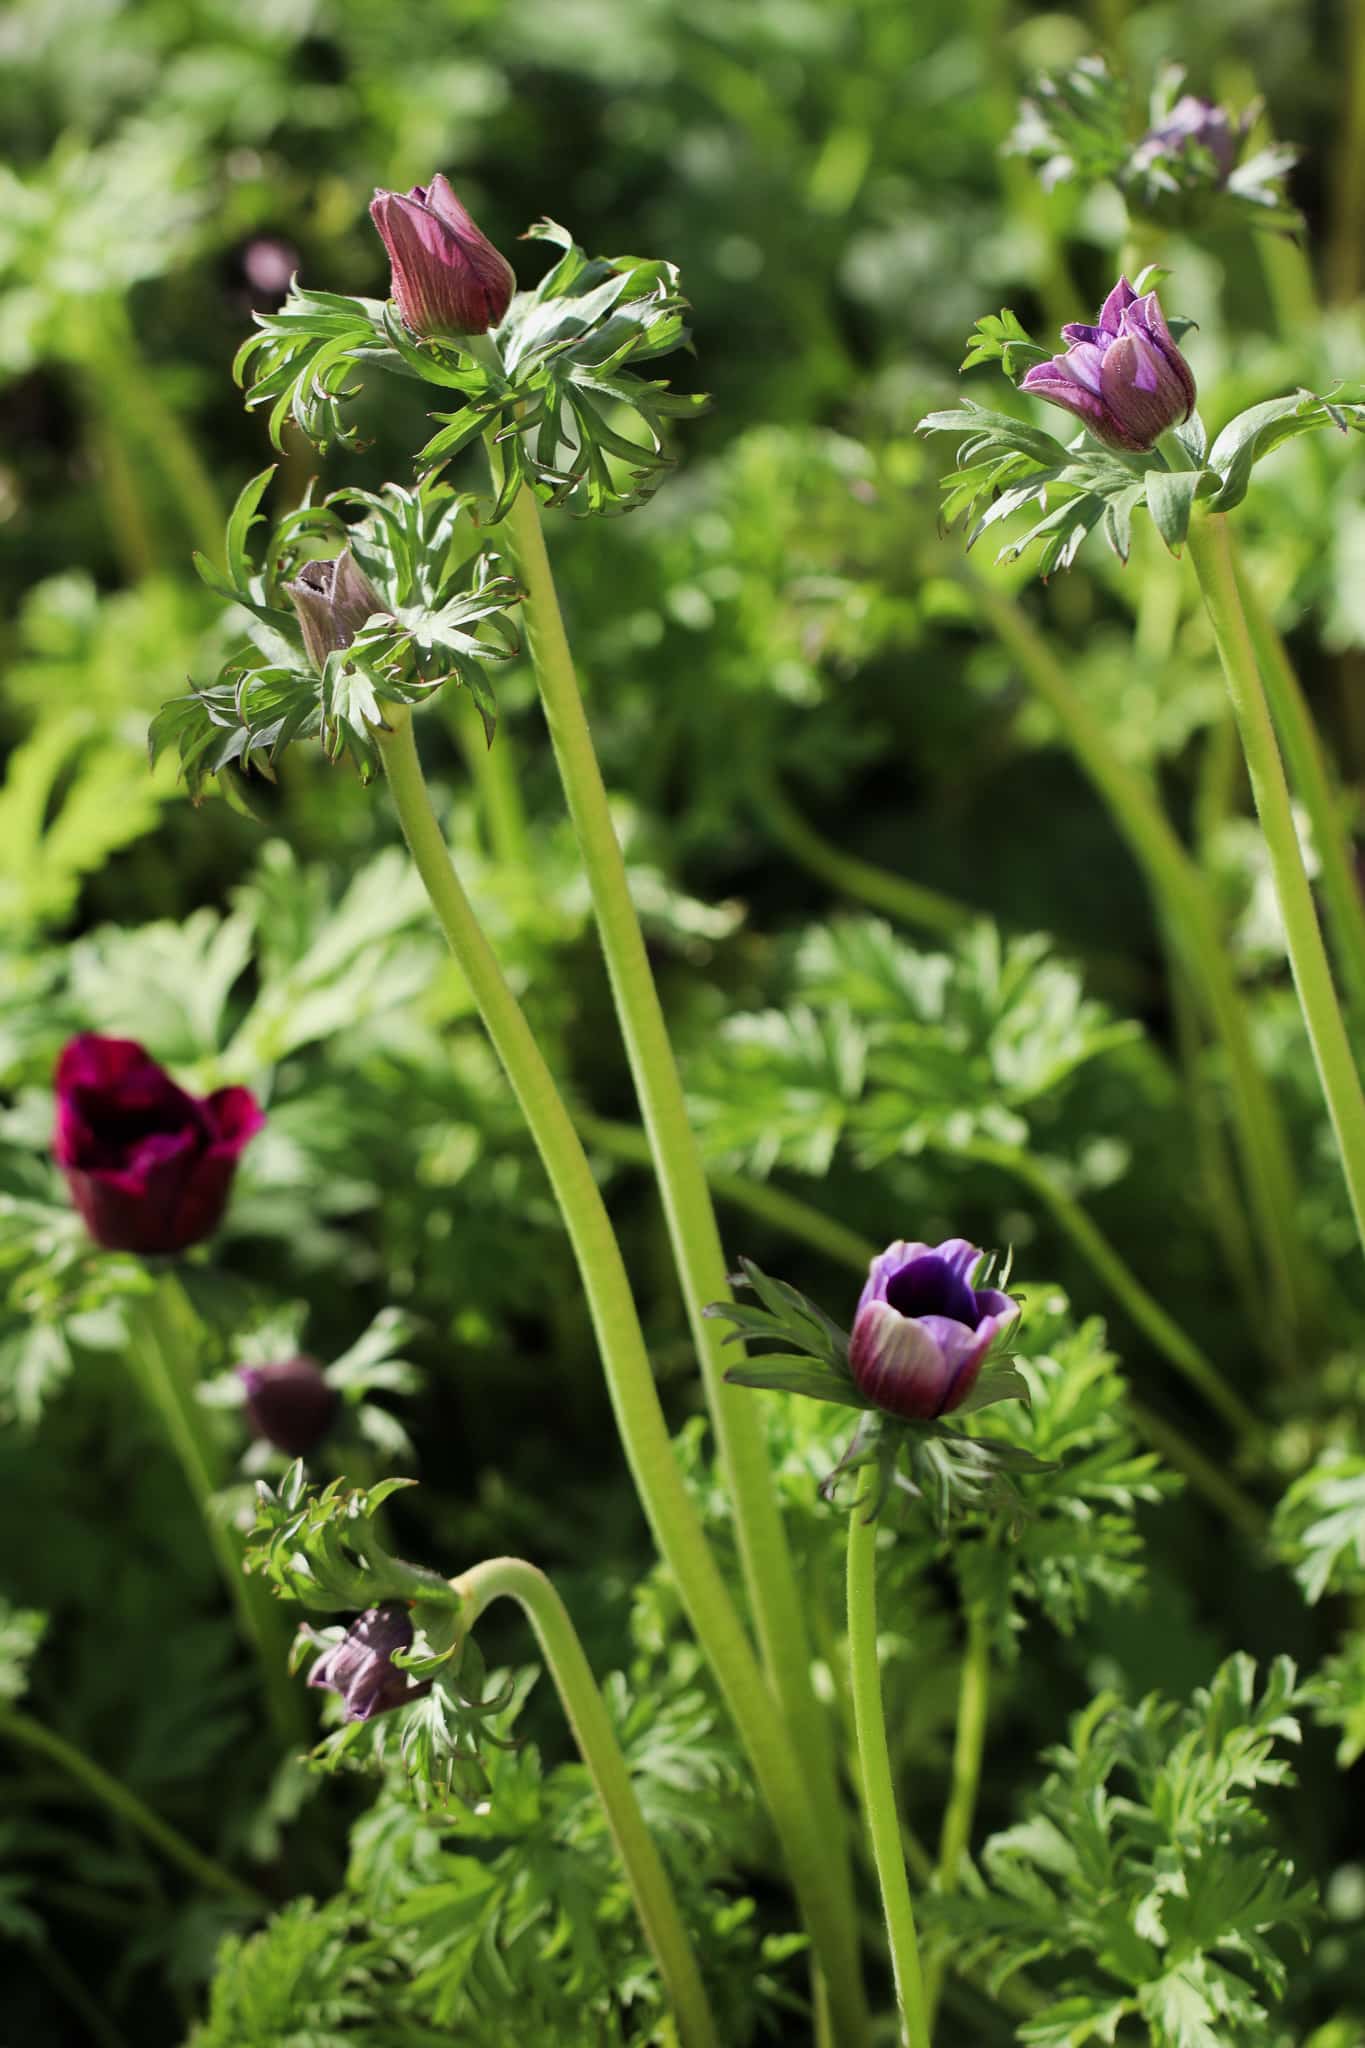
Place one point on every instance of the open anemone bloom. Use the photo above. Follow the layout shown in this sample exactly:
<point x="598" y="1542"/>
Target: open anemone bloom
<point x="361" y="1668"/>
<point x="922" y="1331"/>
<point x="447" y="276"/>
<point x="149" y="1167"/>
<point x="1123" y="378"/>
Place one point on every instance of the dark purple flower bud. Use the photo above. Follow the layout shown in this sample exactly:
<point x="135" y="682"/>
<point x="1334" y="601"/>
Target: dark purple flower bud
<point x="1124" y="378"/>
<point x="922" y="1330"/>
<point x="1192" y="123"/>
<point x="268" y="265"/>
<point x="149" y="1167"/>
<point x="290" y="1404"/>
<point x="447" y="276"/>
<point x="360" y="1666"/>
<point x="333" y="600"/>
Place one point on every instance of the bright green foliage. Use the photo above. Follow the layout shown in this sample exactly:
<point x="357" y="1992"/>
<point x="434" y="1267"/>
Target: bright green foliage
<point x="1146" y="1873"/>
<point x="1320" y="1526"/>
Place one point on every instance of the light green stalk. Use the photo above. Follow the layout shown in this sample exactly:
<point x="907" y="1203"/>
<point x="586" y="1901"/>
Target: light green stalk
<point x="910" y="902"/>
<point x="1210" y="551"/>
<point x="672" y="1517"/>
<point x="969" y="1748"/>
<point x="511" y="1578"/>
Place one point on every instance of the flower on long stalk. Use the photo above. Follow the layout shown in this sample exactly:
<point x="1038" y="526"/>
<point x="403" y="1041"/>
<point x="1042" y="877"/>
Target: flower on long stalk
<point x="149" y="1167"/>
<point x="361" y="1668"/>
<point x="447" y="276"/>
<point x="289" y="1403"/>
<point x="922" y="1331"/>
<point x="1124" y="378"/>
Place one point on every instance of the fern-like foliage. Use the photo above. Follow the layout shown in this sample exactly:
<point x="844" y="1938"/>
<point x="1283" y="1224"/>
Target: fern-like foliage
<point x="1320" y="1526"/>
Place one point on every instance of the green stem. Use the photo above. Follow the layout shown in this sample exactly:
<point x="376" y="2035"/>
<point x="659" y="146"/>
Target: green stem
<point x="860" y="880"/>
<point x="1145" y="1310"/>
<point x="511" y="1578"/>
<point x="1190" y="915"/>
<point x="1210" y="551"/>
<point x="1312" y="780"/>
<point x="673" y="1519"/>
<point x="879" y="1792"/>
<point x="164" y="1341"/>
<point x="969" y="1747"/>
<point x="702" y="1270"/>
<point x="31" y="1734"/>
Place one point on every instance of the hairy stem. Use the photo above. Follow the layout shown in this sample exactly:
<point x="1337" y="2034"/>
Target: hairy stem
<point x="1210" y="551"/>
<point x="164" y="1335"/>
<point x="673" y="1519"/>
<point x="879" y="1791"/>
<point x="512" y="1578"/>
<point x="30" y="1734"/>
<point x="702" y="1269"/>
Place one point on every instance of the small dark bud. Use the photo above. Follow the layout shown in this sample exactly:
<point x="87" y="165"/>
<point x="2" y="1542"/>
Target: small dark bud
<point x="360" y="1667"/>
<point x="289" y="1404"/>
<point x="333" y="600"/>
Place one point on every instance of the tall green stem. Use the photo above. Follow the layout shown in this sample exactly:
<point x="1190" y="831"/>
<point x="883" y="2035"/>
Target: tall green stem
<point x="702" y="1269"/>
<point x="1194" y="925"/>
<point x="511" y="1578"/>
<point x="969" y="1747"/>
<point x="164" y="1341"/>
<point x="493" y="772"/>
<point x="672" y="1517"/>
<point x="31" y="1734"/>
<point x="909" y="902"/>
<point x="878" y="1785"/>
<point x="1210" y="551"/>
<point x="1312" y="781"/>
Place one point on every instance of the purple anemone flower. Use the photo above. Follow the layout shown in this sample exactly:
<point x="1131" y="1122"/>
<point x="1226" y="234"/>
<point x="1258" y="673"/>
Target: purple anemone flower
<point x="1192" y="123"/>
<point x="922" y="1330"/>
<point x="447" y="276"/>
<point x="149" y="1167"/>
<point x="360" y="1667"/>
<point x="333" y="600"/>
<point x="1124" y="378"/>
<point x="289" y="1403"/>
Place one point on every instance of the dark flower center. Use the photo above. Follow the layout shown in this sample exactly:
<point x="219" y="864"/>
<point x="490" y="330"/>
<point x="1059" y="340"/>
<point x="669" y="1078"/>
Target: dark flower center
<point x="117" y="1129"/>
<point x="929" y="1286"/>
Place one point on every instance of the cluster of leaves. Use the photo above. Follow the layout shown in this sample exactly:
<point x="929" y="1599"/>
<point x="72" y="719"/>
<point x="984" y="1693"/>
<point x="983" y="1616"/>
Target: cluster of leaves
<point x="1147" y="1874"/>
<point x="558" y="397"/>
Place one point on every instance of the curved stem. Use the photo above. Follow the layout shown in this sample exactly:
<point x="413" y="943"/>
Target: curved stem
<point x="879" y="1792"/>
<point x="969" y="1747"/>
<point x="1122" y="1282"/>
<point x="164" y="1339"/>
<point x="1211" y="553"/>
<point x="702" y="1269"/>
<point x="511" y="1578"/>
<point x="672" y="1517"/>
<point x="1312" y="780"/>
<point x="31" y="1734"/>
<point x="857" y="879"/>
<point x="1189" y="913"/>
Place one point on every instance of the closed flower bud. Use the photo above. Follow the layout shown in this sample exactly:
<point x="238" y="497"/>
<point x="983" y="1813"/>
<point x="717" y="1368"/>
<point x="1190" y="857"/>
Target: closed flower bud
<point x="1124" y="378"/>
<point x="360" y="1667"/>
<point x="1192" y="124"/>
<point x="447" y="276"/>
<point x="289" y="1404"/>
<point x="333" y="600"/>
<point x="149" y="1167"/>
<point x="922" y="1331"/>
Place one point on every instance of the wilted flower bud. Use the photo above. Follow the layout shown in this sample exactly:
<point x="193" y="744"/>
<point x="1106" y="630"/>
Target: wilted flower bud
<point x="289" y="1404"/>
<point x="922" y="1331"/>
<point x="1192" y="123"/>
<point x="333" y="600"/>
<point x="1124" y="378"/>
<point x="447" y="276"/>
<point x="360" y="1667"/>
<point x="149" y="1167"/>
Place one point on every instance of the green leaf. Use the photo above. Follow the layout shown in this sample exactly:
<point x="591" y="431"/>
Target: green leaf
<point x="1170" y="496"/>
<point x="1261" y="428"/>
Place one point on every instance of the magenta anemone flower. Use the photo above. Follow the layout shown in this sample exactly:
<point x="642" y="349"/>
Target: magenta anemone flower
<point x="149" y="1167"/>
<point x="447" y="276"/>
<point x="922" y="1331"/>
<point x="1124" y="378"/>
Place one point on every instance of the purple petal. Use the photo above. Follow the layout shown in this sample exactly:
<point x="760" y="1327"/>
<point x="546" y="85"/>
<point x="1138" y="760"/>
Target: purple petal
<point x="930" y="1289"/>
<point x="897" y="1364"/>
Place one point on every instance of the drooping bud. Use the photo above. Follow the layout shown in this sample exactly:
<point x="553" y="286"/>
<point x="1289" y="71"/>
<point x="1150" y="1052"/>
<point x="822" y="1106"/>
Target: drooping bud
<point x="360" y="1667"/>
<point x="1124" y="378"/>
<point x="149" y="1167"/>
<point x="922" y="1331"/>
<point x="290" y="1403"/>
<point x="333" y="600"/>
<point x="447" y="276"/>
